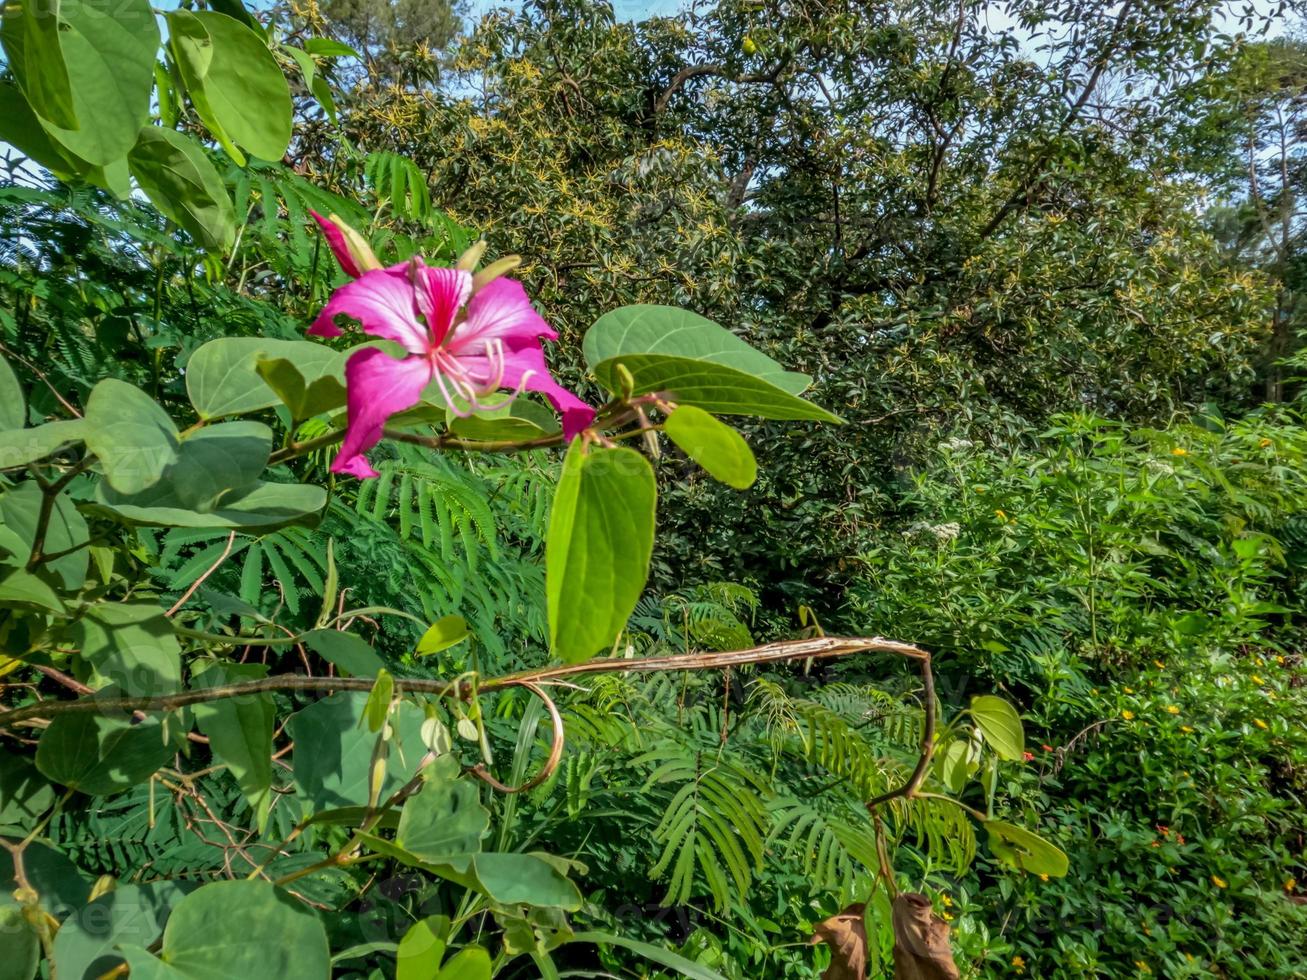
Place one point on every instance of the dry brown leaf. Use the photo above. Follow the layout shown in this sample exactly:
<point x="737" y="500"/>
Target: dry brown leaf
<point x="921" y="946"/>
<point x="846" y="935"/>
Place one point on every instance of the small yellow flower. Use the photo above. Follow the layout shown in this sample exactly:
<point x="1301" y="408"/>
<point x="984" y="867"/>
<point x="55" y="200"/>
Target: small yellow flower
<point x="1018" y="964"/>
<point x="1001" y="515"/>
<point x="1260" y="724"/>
<point x="1128" y="690"/>
<point x="1159" y="665"/>
<point x="1142" y="967"/>
<point x="1279" y="660"/>
<point x="1219" y="882"/>
<point x="1290" y="884"/>
<point x="946" y="916"/>
<point x="1264" y="443"/>
<point x="1179" y="451"/>
<point x="1043" y="877"/>
<point x="1188" y="730"/>
<point x="1172" y="709"/>
<point x="947" y="902"/>
<point x="1128" y="715"/>
<point x="1257" y="680"/>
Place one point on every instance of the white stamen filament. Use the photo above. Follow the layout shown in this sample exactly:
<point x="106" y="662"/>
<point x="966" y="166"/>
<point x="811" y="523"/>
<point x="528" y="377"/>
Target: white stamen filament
<point x="448" y="369"/>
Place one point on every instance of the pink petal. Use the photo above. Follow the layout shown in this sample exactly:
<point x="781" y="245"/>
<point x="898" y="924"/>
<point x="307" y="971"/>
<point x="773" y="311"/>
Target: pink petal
<point x="383" y="301"/>
<point x="441" y="293"/>
<point x="378" y="386"/>
<point x="501" y="310"/>
<point x="336" y="239"/>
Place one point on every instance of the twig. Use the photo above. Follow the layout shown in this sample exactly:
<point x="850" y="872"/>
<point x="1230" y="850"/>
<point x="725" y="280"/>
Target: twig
<point x="555" y="750"/>
<point x="231" y="540"/>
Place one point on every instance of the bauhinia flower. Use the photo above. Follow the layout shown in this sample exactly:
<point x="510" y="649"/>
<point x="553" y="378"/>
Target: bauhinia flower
<point x="469" y="342"/>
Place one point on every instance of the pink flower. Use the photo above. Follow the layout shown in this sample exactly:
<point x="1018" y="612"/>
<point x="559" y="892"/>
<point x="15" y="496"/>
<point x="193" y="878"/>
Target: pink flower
<point x="469" y="345"/>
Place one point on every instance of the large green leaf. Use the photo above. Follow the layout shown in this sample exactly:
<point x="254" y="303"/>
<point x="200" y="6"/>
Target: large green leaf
<point x="102" y="754"/>
<point x="516" y="420"/>
<point x="133" y="437"/>
<point x="30" y="35"/>
<point x="52" y="875"/>
<point x="179" y="180"/>
<point x="234" y="82"/>
<point x="693" y="361"/>
<point x="240" y="732"/>
<point x="109" y="50"/>
<point x="18" y="447"/>
<point x="445" y="819"/>
<point x="66" y="531"/>
<point x="422" y="949"/>
<point x="86" y="945"/>
<point x="260" y="507"/>
<point x="20" y="127"/>
<point x="525" y="879"/>
<point x="714" y="445"/>
<point x="24" y="795"/>
<point x="1001" y="726"/>
<point x="222" y="377"/>
<point x="673" y="332"/>
<point x="245" y="929"/>
<point x="601" y="530"/>
<point x="130" y="645"/>
<point x="217" y="459"/>
<point x="1025" y="850"/>
<point x="333" y="753"/>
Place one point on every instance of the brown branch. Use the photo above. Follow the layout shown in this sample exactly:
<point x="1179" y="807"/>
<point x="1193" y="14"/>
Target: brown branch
<point x="720" y="71"/>
<point x="918" y="776"/>
<point x="816" y="648"/>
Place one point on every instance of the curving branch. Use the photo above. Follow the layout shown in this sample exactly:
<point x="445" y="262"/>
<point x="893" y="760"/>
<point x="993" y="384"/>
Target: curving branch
<point x="816" y="648"/>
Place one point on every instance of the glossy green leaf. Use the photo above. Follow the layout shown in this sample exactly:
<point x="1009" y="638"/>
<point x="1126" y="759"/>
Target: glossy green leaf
<point x="953" y="764"/>
<point x="133" y="437"/>
<point x="130" y="645"/>
<point x="109" y="52"/>
<point x="601" y="530"/>
<point x="25" y="795"/>
<point x="443" y="634"/>
<point x="30" y="35"/>
<point x="693" y="361"/>
<point x="18" y="447"/>
<point x="222" y="377"/>
<point x="714" y="445"/>
<point x="1024" y="850"/>
<point x="234" y="82"/>
<point x="348" y="651"/>
<point x="102" y="754"/>
<point x="240" y="731"/>
<point x="86" y="945"/>
<point x="1000" y="724"/>
<point x="66" y="531"/>
<point x="245" y="929"/>
<point x="525" y="879"/>
<point x="176" y="175"/>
